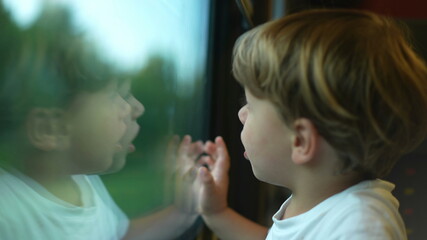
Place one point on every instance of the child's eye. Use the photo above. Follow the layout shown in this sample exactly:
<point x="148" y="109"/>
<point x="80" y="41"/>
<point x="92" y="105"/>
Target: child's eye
<point x="114" y="95"/>
<point x="128" y="96"/>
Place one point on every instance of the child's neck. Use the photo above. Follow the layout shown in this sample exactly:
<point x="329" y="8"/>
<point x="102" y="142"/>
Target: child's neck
<point x="308" y="194"/>
<point x="64" y="188"/>
<point x="52" y="176"/>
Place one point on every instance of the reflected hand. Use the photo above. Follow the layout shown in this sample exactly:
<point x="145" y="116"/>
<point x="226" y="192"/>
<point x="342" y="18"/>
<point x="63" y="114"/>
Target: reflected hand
<point x="182" y="159"/>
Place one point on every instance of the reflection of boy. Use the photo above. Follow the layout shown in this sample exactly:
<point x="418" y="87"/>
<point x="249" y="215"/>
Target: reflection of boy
<point x="137" y="109"/>
<point x="330" y="108"/>
<point x="62" y="119"/>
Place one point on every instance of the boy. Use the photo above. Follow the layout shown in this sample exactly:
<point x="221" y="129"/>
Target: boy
<point x="63" y="119"/>
<point x="334" y="98"/>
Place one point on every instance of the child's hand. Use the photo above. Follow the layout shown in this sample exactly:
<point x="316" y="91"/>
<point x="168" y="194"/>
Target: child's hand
<point x="173" y="220"/>
<point x="182" y="159"/>
<point x="212" y="183"/>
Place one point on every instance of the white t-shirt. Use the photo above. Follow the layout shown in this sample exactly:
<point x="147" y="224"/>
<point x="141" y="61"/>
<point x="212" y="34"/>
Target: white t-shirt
<point x="29" y="211"/>
<point x="366" y="211"/>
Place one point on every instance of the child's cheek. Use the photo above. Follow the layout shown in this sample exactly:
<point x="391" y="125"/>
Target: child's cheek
<point x="113" y="129"/>
<point x="245" y="136"/>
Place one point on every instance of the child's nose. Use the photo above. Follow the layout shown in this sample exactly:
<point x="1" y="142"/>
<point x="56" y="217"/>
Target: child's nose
<point x="125" y="109"/>
<point x="242" y="114"/>
<point x="137" y="108"/>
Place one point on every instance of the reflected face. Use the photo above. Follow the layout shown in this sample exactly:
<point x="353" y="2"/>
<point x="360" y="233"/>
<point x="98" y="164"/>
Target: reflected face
<point x="266" y="138"/>
<point x="97" y="122"/>
<point x="137" y="109"/>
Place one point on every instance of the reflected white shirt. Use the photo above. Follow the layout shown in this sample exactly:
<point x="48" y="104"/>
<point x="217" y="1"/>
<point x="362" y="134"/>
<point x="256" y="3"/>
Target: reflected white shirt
<point x="29" y="211"/>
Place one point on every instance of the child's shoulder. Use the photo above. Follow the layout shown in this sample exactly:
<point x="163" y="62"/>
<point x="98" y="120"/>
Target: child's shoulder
<point x="369" y="191"/>
<point x="12" y="192"/>
<point x="367" y="208"/>
<point x="361" y="211"/>
<point x="366" y="196"/>
<point x="6" y="176"/>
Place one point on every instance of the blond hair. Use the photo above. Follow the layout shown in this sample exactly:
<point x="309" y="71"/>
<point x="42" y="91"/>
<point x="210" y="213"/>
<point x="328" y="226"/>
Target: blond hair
<point x="352" y="73"/>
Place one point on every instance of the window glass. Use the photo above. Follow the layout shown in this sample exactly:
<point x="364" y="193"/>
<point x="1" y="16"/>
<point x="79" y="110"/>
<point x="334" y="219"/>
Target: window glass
<point x="161" y="47"/>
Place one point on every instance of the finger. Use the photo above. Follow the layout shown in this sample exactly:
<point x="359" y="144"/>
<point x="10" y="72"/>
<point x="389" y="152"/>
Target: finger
<point x="210" y="148"/>
<point x="172" y="146"/>
<point x="208" y="145"/>
<point x="189" y="154"/>
<point x="222" y="163"/>
<point x="190" y="174"/>
<point x="173" y="142"/>
<point x="221" y="147"/>
<point x="206" y="179"/>
<point x="171" y="151"/>
<point x="206" y="161"/>
<point x="196" y="149"/>
<point x="199" y="147"/>
<point x="184" y="145"/>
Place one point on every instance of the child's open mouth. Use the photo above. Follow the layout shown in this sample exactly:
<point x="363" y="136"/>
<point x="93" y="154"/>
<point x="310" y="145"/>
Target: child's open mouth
<point x="118" y="147"/>
<point x="131" y="148"/>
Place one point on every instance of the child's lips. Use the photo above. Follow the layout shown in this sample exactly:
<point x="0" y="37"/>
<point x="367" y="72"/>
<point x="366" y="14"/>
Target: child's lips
<point x="118" y="147"/>
<point x="246" y="155"/>
<point x="131" y="148"/>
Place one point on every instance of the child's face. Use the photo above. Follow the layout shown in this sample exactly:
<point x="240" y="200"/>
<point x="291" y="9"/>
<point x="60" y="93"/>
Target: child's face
<point x="97" y="122"/>
<point x="137" y="109"/>
<point x="267" y="140"/>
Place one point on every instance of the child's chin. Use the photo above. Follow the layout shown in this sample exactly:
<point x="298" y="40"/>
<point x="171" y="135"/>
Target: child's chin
<point x="118" y="148"/>
<point x="116" y="166"/>
<point x="131" y="148"/>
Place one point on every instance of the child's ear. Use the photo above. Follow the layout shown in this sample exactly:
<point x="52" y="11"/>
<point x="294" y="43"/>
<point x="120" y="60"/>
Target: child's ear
<point x="46" y="129"/>
<point x="305" y="141"/>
